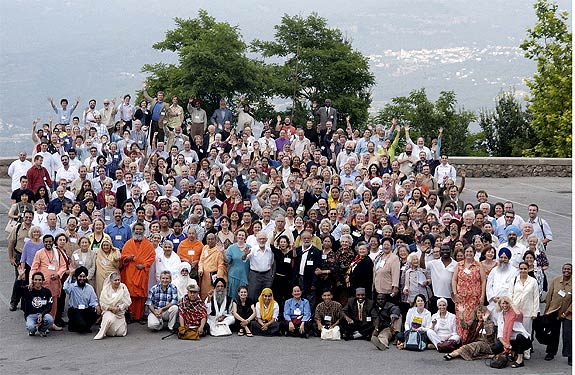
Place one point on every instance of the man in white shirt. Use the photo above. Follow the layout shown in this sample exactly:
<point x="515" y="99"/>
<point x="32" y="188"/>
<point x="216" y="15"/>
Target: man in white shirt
<point x="499" y="281"/>
<point x="261" y="260"/>
<point x="66" y="171"/>
<point x="441" y="275"/>
<point x="444" y="171"/>
<point x="18" y="168"/>
<point x="541" y="227"/>
<point x="300" y="143"/>
<point x="517" y="250"/>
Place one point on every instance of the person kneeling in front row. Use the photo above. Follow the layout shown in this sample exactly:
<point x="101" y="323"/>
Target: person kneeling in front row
<point x="83" y="307"/>
<point x="163" y="304"/>
<point x="37" y="302"/>
<point x="267" y="312"/>
<point x="297" y="315"/>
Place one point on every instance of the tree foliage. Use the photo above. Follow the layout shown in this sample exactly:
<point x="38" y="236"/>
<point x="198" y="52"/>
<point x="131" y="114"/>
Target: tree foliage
<point x="212" y="63"/>
<point x="549" y="44"/>
<point x="506" y="130"/>
<point x="425" y="118"/>
<point x="316" y="62"/>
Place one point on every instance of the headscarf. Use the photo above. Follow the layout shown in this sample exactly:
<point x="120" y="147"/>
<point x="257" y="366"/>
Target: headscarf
<point x="111" y="297"/>
<point x="513" y="228"/>
<point x="505" y="251"/>
<point x="81" y="270"/>
<point x="269" y="315"/>
<point x="181" y="282"/>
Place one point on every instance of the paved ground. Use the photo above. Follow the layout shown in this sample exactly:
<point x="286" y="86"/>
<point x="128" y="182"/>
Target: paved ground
<point x="144" y="352"/>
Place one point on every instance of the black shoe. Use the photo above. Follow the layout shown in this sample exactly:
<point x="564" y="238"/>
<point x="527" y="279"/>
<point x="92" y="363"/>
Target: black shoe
<point x="549" y="357"/>
<point x="13" y="306"/>
<point x="43" y="333"/>
<point x="517" y="365"/>
<point x="31" y="333"/>
<point x="569" y="361"/>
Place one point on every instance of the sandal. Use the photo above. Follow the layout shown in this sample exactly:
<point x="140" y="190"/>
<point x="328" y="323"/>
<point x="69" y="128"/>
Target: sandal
<point x="249" y="334"/>
<point x="517" y="365"/>
<point x="447" y="357"/>
<point x="241" y="332"/>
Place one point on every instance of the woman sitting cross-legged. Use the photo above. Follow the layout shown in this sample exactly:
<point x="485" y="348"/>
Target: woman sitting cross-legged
<point x="443" y="327"/>
<point x="114" y="301"/>
<point x="482" y="335"/>
<point x="267" y="311"/>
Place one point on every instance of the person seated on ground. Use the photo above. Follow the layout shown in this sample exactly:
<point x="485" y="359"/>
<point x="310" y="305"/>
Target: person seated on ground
<point x="193" y="313"/>
<point x="83" y="307"/>
<point x="443" y="326"/>
<point x="327" y="317"/>
<point x="219" y="304"/>
<point x="418" y="318"/>
<point x="297" y="315"/>
<point x="37" y="302"/>
<point x="388" y="322"/>
<point x="114" y="302"/>
<point x="267" y="312"/>
<point x="163" y="303"/>
<point x="358" y="317"/>
<point x="183" y="279"/>
<point x="481" y="332"/>
<point x="244" y="312"/>
<point x="511" y="335"/>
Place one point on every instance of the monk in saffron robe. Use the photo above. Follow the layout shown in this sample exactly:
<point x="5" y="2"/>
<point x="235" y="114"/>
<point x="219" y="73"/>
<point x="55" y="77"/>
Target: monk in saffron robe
<point x="138" y="256"/>
<point x="211" y="266"/>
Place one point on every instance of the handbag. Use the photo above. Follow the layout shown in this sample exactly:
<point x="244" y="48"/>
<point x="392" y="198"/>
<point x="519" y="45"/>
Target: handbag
<point x="220" y="329"/>
<point x="447" y="346"/>
<point x="414" y="341"/>
<point x="331" y="334"/>
<point x="188" y="333"/>
<point x="542" y="329"/>
<point x="11" y="225"/>
<point x="499" y="361"/>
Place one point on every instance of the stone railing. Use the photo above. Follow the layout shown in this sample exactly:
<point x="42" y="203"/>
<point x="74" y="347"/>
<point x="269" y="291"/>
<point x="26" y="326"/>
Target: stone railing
<point x="475" y="167"/>
<point x="513" y="167"/>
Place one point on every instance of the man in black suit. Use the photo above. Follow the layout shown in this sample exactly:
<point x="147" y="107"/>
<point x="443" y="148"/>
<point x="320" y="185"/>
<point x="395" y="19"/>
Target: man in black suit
<point x="124" y="192"/>
<point x="359" y="317"/>
<point x="308" y="259"/>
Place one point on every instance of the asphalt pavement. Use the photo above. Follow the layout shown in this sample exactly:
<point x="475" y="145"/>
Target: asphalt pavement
<point x="144" y="352"/>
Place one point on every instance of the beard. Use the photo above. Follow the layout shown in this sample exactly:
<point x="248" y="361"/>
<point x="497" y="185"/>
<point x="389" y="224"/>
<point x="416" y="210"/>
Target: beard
<point x="220" y="297"/>
<point x="138" y="237"/>
<point x="81" y="284"/>
<point x="512" y="241"/>
<point x="503" y="266"/>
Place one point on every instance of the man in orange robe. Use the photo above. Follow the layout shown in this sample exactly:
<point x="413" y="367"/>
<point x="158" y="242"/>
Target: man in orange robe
<point x="138" y="256"/>
<point x="190" y="250"/>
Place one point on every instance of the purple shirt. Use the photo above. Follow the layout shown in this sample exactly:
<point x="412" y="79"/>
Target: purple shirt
<point x="30" y="249"/>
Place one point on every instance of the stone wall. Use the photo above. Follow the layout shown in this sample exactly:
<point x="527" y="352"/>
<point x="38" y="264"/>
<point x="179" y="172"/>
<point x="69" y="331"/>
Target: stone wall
<point x="475" y="167"/>
<point x="513" y="167"/>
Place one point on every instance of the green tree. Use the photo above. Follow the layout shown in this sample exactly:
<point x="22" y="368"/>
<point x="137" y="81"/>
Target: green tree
<point x="317" y="62"/>
<point x="425" y="118"/>
<point x="549" y="44"/>
<point x="506" y="130"/>
<point x="212" y="64"/>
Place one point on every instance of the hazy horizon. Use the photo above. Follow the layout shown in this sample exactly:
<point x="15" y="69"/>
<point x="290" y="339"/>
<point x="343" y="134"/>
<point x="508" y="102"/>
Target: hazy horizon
<point x="96" y="49"/>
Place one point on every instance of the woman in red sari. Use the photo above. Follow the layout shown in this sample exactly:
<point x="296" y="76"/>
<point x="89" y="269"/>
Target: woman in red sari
<point x="468" y="285"/>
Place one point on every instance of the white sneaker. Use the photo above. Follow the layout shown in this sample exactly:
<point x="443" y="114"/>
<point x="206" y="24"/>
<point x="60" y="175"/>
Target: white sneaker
<point x="356" y="335"/>
<point x="527" y="354"/>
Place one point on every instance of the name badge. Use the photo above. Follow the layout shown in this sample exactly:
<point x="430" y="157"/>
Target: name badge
<point x="356" y="233"/>
<point x="191" y="252"/>
<point x="368" y="318"/>
<point x="379" y="231"/>
<point x="176" y="240"/>
<point x="562" y="293"/>
<point x="73" y="240"/>
<point x="107" y="218"/>
<point x="287" y="260"/>
<point x="118" y="237"/>
<point x="206" y="253"/>
<point x="52" y="267"/>
<point x="323" y="256"/>
<point x="467" y="271"/>
<point x="297" y="311"/>
<point x="327" y="318"/>
<point x="104" y="262"/>
<point x="115" y="156"/>
<point x="163" y="113"/>
<point x="309" y="263"/>
<point x="76" y="257"/>
<point x="81" y="307"/>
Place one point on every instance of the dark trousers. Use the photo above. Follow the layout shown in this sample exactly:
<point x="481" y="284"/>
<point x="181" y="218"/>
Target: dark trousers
<point x="15" y="297"/>
<point x="555" y="326"/>
<point x="307" y="327"/>
<point x="282" y="287"/>
<point x="257" y="282"/>
<point x="60" y="307"/>
<point x="155" y="127"/>
<point x="81" y="320"/>
<point x="347" y="330"/>
<point x="127" y="125"/>
<point x="432" y="305"/>
<point x="307" y="293"/>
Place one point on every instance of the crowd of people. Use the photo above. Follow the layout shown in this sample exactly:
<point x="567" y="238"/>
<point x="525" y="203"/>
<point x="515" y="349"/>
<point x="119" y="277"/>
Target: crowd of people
<point x="212" y="225"/>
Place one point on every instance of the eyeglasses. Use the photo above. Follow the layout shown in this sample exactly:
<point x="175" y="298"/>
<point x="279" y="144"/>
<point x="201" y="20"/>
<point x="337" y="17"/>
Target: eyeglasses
<point x="523" y="269"/>
<point x="509" y="217"/>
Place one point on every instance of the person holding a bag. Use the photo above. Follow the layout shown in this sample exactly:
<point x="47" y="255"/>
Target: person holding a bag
<point x="193" y="315"/>
<point x="327" y="316"/>
<point x="297" y="315"/>
<point x="418" y="319"/>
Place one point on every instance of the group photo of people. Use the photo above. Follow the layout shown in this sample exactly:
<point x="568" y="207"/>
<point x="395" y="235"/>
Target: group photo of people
<point x="216" y="224"/>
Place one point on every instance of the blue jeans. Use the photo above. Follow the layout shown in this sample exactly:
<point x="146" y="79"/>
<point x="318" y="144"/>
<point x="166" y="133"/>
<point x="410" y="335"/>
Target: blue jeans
<point x="32" y="320"/>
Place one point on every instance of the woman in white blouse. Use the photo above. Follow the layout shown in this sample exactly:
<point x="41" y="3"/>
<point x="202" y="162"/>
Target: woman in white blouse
<point x="443" y="325"/>
<point x="524" y="293"/>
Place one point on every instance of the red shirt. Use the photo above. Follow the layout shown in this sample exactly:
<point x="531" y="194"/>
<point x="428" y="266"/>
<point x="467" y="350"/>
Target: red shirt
<point x="38" y="177"/>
